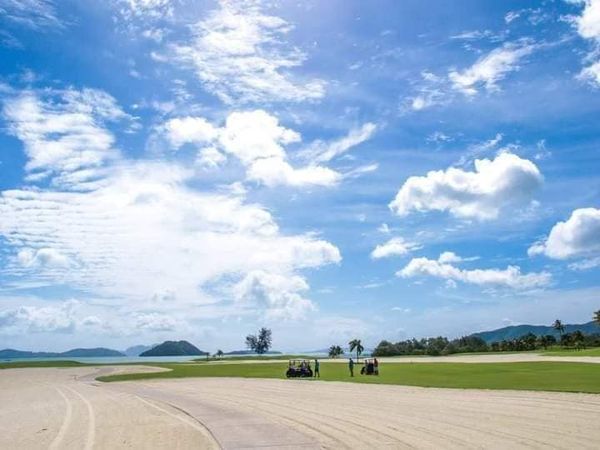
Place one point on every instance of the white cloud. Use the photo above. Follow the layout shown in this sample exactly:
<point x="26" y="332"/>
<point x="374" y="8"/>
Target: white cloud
<point x="579" y="236"/>
<point x="156" y="322"/>
<point x="511" y="277"/>
<point x="588" y="27"/>
<point x="143" y="231"/>
<point x="210" y="157"/>
<point x="258" y="141"/>
<point x="585" y="264"/>
<point x="320" y="152"/>
<point x="396" y="246"/>
<point x="27" y="319"/>
<point x="511" y="15"/>
<point x="591" y="73"/>
<point x="449" y="257"/>
<point x="35" y="14"/>
<point x="45" y="257"/>
<point x="588" y="24"/>
<point x="63" y="133"/>
<point x="490" y="69"/>
<point x="482" y="194"/>
<point x="184" y="130"/>
<point x="239" y="55"/>
<point x="279" y="294"/>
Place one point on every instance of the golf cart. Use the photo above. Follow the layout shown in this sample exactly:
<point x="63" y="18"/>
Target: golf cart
<point x="370" y="368"/>
<point x="299" y="368"/>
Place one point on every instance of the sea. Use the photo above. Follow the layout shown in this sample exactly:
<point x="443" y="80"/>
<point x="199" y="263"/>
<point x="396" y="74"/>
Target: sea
<point x="109" y="359"/>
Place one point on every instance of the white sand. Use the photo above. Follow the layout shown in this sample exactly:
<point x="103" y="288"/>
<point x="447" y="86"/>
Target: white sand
<point x="58" y="408"/>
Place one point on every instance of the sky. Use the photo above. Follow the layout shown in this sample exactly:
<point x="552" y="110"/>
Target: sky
<point x="177" y="169"/>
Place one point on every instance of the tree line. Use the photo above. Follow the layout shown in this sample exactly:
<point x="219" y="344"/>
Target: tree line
<point x="436" y="346"/>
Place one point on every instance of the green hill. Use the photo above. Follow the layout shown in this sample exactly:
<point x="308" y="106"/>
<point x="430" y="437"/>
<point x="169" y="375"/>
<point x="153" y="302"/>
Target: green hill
<point x="174" y="348"/>
<point x="514" y="332"/>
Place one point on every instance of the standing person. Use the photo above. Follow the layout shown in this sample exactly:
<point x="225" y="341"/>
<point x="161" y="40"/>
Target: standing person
<point x="376" y="366"/>
<point x="317" y="373"/>
<point x="351" y="367"/>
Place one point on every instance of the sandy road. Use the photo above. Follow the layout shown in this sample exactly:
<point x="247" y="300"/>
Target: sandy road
<point x="65" y="408"/>
<point x="58" y="409"/>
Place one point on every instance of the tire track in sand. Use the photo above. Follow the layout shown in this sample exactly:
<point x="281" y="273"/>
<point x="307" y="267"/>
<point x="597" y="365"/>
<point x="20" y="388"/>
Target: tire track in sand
<point x="91" y="434"/>
<point x="188" y="419"/>
<point x="66" y="421"/>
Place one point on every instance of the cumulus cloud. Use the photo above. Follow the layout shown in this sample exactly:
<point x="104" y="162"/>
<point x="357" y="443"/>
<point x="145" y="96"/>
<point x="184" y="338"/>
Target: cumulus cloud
<point x="280" y="295"/>
<point x="588" y="23"/>
<point x="258" y="141"/>
<point x="239" y="54"/>
<point x="64" y="133"/>
<point x="396" y="246"/>
<point x="481" y="194"/>
<point x="588" y="27"/>
<point x="511" y="277"/>
<point x="578" y="236"/>
<point x="488" y="70"/>
<point x="183" y="130"/>
<point x="52" y="319"/>
<point x="45" y="257"/>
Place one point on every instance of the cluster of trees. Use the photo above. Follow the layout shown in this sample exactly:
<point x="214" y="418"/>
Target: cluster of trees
<point x="335" y="351"/>
<point x="468" y="344"/>
<point x="431" y="346"/>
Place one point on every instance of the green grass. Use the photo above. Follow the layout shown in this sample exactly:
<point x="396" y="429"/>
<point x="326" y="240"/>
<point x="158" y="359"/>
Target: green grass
<point x="26" y="364"/>
<point x="538" y="376"/>
<point x="572" y="352"/>
<point x="256" y="358"/>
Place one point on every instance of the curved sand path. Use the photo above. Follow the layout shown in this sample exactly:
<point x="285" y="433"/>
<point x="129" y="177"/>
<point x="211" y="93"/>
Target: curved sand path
<point x="65" y="408"/>
<point x="56" y="409"/>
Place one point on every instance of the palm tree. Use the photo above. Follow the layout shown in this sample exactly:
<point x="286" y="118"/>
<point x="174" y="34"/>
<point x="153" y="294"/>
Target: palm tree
<point x="597" y="317"/>
<point x="578" y="339"/>
<point x="356" y="344"/>
<point x="220" y="354"/>
<point x="558" y="326"/>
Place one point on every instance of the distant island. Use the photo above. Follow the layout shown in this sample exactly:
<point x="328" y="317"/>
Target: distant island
<point x="174" y="348"/>
<point x="516" y="331"/>
<point x="10" y="353"/>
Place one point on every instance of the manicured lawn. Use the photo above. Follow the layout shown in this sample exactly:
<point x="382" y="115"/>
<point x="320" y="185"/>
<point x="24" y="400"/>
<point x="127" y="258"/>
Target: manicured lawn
<point x="562" y="352"/>
<point x="25" y="364"/>
<point x="541" y="376"/>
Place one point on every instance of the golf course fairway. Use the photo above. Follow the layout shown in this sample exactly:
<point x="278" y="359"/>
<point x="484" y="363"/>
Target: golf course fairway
<point x="537" y="376"/>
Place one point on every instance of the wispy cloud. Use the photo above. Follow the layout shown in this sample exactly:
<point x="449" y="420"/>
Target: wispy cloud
<point x="35" y="14"/>
<point x="239" y="54"/>
<point x="490" y="69"/>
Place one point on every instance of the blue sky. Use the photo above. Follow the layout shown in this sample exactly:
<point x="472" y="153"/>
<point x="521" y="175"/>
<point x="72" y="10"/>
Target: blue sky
<point x="178" y="169"/>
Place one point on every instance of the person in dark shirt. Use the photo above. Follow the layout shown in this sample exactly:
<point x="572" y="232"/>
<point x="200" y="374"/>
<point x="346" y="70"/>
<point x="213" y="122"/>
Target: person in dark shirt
<point x="351" y="367"/>
<point x="317" y="366"/>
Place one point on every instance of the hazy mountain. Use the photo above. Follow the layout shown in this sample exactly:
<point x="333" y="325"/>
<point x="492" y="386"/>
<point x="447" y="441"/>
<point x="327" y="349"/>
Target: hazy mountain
<point x="137" y="350"/>
<point x="516" y="331"/>
<point x="74" y="353"/>
<point x="174" y="348"/>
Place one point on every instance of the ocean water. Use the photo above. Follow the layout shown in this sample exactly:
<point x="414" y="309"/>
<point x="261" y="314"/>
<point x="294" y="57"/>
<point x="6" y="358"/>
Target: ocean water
<point x="110" y="359"/>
